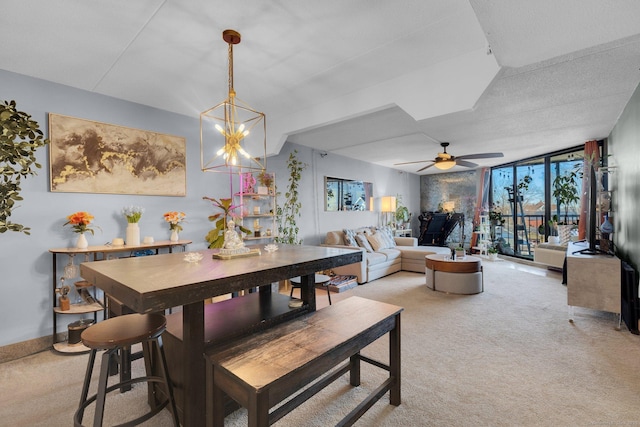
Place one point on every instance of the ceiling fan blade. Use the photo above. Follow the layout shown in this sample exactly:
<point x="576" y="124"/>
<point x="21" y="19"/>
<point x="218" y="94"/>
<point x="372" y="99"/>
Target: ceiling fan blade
<point x="426" y="167"/>
<point x="480" y="156"/>
<point x="409" y="163"/>
<point x="465" y="163"/>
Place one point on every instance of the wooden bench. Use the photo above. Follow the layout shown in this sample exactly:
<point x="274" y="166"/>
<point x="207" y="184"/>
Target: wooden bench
<point x="261" y="370"/>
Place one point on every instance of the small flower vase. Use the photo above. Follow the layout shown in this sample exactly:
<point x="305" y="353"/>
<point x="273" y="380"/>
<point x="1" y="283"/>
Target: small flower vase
<point x="133" y="234"/>
<point x="174" y="236"/>
<point x="82" y="242"/>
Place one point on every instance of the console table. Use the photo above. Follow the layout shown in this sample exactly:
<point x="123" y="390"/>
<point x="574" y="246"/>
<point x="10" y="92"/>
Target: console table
<point x="99" y="252"/>
<point x="593" y="281"/>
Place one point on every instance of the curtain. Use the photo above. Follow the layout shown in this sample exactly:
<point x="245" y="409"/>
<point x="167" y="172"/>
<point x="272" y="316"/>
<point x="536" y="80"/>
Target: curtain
<point x="482" y="202"/>
<point x="591" y="157"/>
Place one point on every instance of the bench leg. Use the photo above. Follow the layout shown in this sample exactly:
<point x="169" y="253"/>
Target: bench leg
<point x="258" y="411"/>
<point x="354" y="371"/>
<point x="394" y="362"/>
<point x="215" y="400"/>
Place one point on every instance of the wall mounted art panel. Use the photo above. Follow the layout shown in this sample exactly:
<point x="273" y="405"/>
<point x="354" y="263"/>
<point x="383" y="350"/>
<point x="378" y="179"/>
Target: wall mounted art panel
<point x="92" y="157"/>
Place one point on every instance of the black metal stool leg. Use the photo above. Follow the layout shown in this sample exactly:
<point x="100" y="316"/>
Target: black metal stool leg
<point x="85" y="385"/>
<point x="167" y="381"/>
<point x="328" y="292"/>
<point x="102" y="388"/>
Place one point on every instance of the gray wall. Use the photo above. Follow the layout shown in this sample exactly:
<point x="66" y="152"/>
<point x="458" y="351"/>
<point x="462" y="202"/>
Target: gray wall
<point x="25" y="261"/>
<point x="624" y="148"/>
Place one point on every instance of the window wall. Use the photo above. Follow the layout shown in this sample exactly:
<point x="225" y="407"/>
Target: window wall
<point x="522" y="196"/>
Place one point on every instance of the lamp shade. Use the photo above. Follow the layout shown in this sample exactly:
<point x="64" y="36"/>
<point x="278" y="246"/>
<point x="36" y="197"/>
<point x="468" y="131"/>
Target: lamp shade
<point x="445" y="164"/>
<point x="388" y="204"/>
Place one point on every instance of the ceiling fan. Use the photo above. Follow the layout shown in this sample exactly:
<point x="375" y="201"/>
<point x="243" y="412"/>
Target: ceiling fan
<point x="446" y="161"/>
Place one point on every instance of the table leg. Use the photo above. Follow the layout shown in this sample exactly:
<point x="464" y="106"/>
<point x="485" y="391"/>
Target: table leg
<point x="194" y="367"/>
<point x="308" y="290"/>
<point x="394" y="362"/>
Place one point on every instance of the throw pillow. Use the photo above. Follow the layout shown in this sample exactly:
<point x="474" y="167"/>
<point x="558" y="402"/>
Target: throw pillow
<point x="350" y="238"/>
<point x="388" y="235"/>
<point x="363" y="242"/>
<point x="564" y="232"/>
<point x="378" y="241"/>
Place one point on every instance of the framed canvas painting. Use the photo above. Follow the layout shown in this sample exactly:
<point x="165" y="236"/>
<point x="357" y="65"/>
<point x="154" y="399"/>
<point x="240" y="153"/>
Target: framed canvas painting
<point x="92" y="157"/>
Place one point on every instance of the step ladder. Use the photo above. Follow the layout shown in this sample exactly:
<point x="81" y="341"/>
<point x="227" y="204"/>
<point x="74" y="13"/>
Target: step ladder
<point x="521" y="235"/>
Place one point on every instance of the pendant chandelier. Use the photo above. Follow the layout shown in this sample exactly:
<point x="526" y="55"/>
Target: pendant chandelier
<point x="233" y="136"/>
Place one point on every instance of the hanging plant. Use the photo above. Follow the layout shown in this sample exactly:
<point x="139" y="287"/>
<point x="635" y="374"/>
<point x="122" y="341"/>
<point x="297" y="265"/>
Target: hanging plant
<point x="286" y="216"/>
<point x="20" y="137"/>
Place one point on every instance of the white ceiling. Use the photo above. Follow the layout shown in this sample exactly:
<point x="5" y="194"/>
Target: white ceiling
<point x="380" y="81"/>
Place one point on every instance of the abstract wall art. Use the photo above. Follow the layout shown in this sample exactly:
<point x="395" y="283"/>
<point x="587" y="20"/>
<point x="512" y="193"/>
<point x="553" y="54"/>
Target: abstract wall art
<point x="92" y="157"/>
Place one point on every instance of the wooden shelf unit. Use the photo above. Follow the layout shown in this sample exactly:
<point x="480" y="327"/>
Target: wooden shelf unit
<point x="93" y="253"/>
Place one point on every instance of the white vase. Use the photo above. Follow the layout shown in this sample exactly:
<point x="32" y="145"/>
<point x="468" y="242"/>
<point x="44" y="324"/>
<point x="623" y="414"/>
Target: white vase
<point x="82" y="242"/>
<point x="133" y="234"/>
<point x="174" y="236"/>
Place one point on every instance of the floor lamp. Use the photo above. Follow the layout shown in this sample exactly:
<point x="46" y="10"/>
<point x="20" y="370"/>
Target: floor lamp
<point x="388" y="206"/>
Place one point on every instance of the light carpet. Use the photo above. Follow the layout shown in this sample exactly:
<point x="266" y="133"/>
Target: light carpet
<point x="505" y="357"/>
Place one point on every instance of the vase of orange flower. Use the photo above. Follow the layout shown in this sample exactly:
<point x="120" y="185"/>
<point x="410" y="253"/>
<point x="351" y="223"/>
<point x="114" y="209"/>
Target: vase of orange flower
<point x="174" y="219"/>
<point x="80" y="221"/>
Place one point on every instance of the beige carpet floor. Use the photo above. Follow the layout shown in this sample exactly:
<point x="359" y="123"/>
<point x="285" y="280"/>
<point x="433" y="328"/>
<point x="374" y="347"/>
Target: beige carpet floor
<point x="505" y="357"/>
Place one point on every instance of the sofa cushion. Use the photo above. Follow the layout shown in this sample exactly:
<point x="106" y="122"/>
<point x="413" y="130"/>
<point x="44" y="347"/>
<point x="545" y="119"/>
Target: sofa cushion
<point x="378" y="241"/>
<point x="363" y="242"/>
<point x="350" y="238"/>
<point x="391" y="253"/>
<point x="376" y="258"/>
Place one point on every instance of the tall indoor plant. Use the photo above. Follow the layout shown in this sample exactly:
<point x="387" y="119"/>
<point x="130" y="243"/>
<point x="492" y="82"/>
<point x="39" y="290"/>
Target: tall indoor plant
<point x="20" y="137"/>
<point x="288" y="213"/>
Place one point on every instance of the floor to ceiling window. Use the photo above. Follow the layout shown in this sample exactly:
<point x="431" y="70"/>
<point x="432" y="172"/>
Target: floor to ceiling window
<point x="522" y="198"/>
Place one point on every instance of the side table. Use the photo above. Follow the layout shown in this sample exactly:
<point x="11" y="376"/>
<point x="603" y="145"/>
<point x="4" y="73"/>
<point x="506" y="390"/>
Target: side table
<point x="461" y="276"/>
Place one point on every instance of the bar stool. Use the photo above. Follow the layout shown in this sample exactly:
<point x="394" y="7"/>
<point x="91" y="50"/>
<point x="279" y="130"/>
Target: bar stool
<point x="320" y="279"/>
<point x="119" y="333"/>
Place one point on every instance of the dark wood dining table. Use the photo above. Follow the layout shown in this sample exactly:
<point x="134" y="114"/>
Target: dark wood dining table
<point x="160" y="282"/>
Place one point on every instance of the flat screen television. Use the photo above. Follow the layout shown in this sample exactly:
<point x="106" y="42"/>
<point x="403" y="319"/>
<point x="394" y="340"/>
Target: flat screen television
<point x="592" y="220"/>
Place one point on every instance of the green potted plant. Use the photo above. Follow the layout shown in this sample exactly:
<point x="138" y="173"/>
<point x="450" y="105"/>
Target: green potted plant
<point x="20" y="137"/>
<point x="565" y="191"/>
<point x="402" y="212"/>
<point x="287" y="214"/>
<point x="215" y="237"/>
<point x="492" y="252"/>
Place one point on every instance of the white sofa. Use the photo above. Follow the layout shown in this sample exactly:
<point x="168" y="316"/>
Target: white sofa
<point x="550" y="254"/>
<point x="405" y="255"/>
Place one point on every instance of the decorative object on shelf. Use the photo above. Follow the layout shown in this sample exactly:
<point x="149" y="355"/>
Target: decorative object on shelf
<point x="71" y="270"/>
<point x="266" y="182"/>
<point x="224" y="129"/>
<point x="82" y="242"/>
<point x="132" y="234"/>
<point x="193" y="256"/>
<point x="63" y="300"/>
<point x="117" y="241"/>
<point x="133" y="215"/>
<point x="233" y="245"/>
<point x="174" y="218"/>
<point x="271" y="247"/>
<point x="287" y="215"/>
<point x="20" y="137"/>
<point x="79" y="222"/>
<point x="215" y="237"/>
<point x="248" y="183"/>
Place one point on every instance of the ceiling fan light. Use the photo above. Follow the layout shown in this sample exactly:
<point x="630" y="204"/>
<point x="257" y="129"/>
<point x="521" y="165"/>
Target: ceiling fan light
<point x="445" y="164"/>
